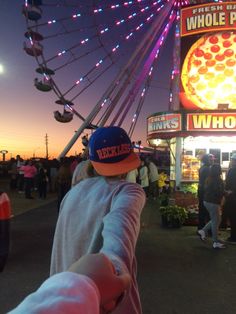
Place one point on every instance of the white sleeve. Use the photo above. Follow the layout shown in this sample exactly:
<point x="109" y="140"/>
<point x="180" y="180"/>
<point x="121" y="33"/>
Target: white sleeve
<point x="122" y="225"/>
<point x="65" y="292"/>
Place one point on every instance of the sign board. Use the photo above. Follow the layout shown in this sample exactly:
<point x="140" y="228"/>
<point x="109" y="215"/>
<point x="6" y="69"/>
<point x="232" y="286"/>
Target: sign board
<point x="208" y="17"/>
<point x="211" y="122"/>
<point x="166" y="122"/>
<point x="207" y="59"/>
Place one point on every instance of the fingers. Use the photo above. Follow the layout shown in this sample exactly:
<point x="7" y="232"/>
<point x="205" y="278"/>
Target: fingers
<point x="112" y="294"/>
<point x="122" y="283"/>
<point x="101" y="270"/>
<point x="125" y="281"/>
<point x="108" y="307"/>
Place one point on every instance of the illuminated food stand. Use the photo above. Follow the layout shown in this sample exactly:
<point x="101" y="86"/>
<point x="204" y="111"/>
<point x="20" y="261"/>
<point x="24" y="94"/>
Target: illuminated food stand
<point x="189" y="135"/>
<point x="202" y="117"/>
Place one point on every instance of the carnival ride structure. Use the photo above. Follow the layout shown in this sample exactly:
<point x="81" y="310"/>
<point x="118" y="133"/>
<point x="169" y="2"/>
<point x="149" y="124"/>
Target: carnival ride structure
<point x="107" y="49"/>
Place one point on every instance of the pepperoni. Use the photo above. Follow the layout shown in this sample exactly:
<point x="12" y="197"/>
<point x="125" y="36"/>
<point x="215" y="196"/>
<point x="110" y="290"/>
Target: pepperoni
<point x="229" y="53"/>
<point x="201" y="86"/>
<point x="229" y="72"/>
<point x="227" y="43"/>
<point x="213" y="40"/>
<point x="226" y="35"/>
<point x="210" y="63"/>
<point x="194" y="79"/>
<point x="220" y="67"/>
<point x="199" y="53"/>
<point x="207" y="55"/>
<point x="202" y="70"/>
<point x="220" y="57"/>
<point x="197" y="63"/>
<point x="209" y="76"/>
<point x="215" y="48"/>
<point x="230" y="62"/>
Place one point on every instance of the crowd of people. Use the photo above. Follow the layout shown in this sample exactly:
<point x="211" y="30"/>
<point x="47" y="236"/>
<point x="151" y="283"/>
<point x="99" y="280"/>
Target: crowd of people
<point x="32" y="175"/>
<point x="100" y="200"/>
<point x="42" y="176"/>
<point x="216" y="201"/>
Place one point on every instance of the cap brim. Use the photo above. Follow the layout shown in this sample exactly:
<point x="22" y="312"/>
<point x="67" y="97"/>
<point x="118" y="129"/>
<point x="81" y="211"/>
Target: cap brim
<point x="121" y="167"/>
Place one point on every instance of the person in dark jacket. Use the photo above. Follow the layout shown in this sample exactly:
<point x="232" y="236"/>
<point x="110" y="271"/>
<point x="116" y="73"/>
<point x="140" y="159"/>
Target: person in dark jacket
<point x="42" y="181"/>
<point x="203" y="215"/>
<point x="230" y="199"/>
<point x="213" y="198"/>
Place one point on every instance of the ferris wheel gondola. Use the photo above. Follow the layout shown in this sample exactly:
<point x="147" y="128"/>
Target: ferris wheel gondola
<point x="32" y="12"/>
<point x="64" y="117"/>
<point x="35" y="49"/>
<point x="43" y="85"/>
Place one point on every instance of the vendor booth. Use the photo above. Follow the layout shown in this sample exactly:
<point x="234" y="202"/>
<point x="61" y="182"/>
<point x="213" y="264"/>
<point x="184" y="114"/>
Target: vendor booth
<point x="189" y="135"/>
<point x="202" y="115"/>
<point x="202" y="111"/>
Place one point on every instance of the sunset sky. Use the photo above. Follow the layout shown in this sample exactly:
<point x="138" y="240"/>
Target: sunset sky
<point x="27" y="114"/>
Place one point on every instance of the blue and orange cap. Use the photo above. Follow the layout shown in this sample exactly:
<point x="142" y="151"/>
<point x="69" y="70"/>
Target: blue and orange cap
<point x="111" y="153"/>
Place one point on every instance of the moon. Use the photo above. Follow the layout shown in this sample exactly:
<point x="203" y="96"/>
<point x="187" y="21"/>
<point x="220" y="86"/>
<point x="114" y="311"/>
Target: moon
<point x="1" y="69"/>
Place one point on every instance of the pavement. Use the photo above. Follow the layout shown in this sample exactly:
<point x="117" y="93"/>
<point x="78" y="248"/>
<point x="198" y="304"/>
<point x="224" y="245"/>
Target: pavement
<point x="177" y="273"/>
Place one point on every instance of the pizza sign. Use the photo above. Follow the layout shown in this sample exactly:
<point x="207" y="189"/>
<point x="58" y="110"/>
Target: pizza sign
<point x="208" y="61"/>
<point x="208" y="17"/>
<point x="209" y="71"/>
<point x="164" y="123"/>
<point x="211" y="122"/>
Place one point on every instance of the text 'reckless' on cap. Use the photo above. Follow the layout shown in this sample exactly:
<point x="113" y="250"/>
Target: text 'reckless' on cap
<point x="111" y="153"/>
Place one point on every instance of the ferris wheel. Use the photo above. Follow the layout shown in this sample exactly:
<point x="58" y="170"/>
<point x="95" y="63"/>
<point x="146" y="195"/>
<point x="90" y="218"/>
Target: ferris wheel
<point x="107" y="50"/>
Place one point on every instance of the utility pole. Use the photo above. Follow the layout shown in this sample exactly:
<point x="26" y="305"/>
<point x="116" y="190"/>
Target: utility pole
<point x="46" y="143"/>
<point x="3" y="152"/>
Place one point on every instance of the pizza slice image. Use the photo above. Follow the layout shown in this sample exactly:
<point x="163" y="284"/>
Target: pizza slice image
<point x="208" y="74"/>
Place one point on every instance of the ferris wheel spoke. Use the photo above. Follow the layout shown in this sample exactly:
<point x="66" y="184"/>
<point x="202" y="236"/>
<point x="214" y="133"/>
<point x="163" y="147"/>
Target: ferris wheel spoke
<point x="76" y="58"/>
<point x="143" y="74"/>
<point x="92" y="81"/>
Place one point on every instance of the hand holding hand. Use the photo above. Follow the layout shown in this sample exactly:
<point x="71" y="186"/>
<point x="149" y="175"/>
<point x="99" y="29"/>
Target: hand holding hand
<point x="100" y="269"/>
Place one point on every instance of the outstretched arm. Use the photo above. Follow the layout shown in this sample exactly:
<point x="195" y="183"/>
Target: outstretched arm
<point x="122" y="225"/>
<point x="89" y="284"/>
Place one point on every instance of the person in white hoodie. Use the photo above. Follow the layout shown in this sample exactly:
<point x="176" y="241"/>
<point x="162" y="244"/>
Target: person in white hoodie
<point x="132" y="176"/>
<point x="102" y="213"/>
<point x="89" y="285"/>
